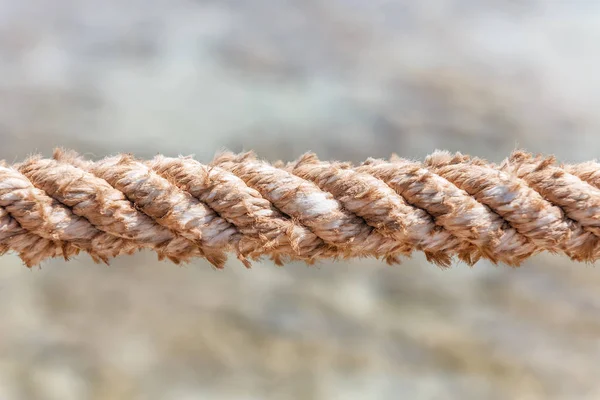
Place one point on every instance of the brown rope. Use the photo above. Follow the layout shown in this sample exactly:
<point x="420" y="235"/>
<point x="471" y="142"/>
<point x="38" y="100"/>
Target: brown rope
<point x="449" y="206"/>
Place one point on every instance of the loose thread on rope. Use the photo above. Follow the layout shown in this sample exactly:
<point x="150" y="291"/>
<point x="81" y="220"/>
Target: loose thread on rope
<point x="450" y="207"/>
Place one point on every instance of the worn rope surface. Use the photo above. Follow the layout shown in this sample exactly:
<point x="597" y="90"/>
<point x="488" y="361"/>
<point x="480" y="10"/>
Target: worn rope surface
<point x="449" y="207"/>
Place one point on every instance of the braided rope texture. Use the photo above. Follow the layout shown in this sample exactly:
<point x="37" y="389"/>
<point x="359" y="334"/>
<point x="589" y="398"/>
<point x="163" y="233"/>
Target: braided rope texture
<point x="450" y="206"/>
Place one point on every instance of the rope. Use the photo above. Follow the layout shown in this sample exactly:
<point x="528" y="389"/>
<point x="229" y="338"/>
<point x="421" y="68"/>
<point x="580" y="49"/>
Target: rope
<point x="449" y="207"/>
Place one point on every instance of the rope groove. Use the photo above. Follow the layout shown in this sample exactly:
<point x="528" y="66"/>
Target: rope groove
<point x="449" y="206"/>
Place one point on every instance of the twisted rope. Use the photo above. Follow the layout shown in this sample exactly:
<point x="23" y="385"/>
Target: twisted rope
<point x="449" y="206"/>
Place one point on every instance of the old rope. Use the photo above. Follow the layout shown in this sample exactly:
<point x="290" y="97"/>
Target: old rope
<point x="449" y="206"/>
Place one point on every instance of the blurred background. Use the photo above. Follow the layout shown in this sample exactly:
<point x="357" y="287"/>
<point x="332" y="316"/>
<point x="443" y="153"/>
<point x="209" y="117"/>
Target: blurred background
<point x="348" y="79"/>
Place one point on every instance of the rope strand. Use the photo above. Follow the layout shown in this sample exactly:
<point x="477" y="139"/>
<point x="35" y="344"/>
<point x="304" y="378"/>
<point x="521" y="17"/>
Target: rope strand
<point x="450" y="207"/>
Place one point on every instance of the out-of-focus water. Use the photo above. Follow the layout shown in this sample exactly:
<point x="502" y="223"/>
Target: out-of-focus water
<point x="348" y="80"/>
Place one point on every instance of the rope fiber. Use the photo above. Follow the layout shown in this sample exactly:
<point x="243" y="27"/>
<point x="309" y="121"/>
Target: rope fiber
<point x="450" y="206"/>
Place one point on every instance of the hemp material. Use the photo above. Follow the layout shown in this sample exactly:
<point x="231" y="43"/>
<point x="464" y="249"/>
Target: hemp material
<point x="450" y="206"/>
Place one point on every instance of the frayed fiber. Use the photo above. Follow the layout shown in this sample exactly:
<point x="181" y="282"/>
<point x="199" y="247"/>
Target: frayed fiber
<point x="450" y="207"/>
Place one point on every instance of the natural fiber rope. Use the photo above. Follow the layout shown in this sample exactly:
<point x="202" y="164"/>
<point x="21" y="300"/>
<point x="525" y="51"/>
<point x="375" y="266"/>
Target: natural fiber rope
<point x="449" y="206"/>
